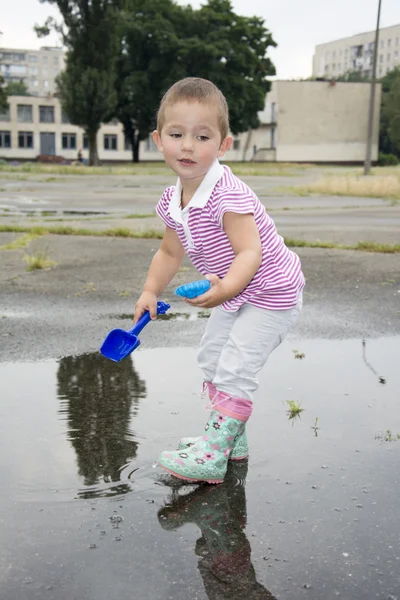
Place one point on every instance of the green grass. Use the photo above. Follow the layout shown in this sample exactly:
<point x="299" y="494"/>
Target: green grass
<point x="124" y="232"/>
<point x="39" y="260"/>
<point x="294" y="409"/>
<point x="21" y="242"/>
<point x="152" y="168"/>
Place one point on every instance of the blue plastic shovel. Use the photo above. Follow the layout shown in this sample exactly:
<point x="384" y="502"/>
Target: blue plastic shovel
<point x="120" y="343"/>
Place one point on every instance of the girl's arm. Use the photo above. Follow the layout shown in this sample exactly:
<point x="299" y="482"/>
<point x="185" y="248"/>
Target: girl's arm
<point x="245" y="240"/>
<point x="162" y="270"/>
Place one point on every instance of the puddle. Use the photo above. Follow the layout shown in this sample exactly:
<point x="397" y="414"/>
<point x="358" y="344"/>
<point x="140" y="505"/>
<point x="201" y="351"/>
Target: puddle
<point x="313" y="514"/>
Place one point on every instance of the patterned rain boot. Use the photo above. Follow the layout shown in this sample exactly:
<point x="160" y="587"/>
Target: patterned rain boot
<point x="207" y="459"/>
<point x="240" y="450"/>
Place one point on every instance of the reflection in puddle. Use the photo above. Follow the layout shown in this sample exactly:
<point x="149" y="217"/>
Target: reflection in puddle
<point x="224" y="551"/>
<point x="97" y="400"/>
<point x="321" y="497"/>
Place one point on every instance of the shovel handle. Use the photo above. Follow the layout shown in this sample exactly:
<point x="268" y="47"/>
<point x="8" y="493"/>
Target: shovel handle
<point x="162" y="308"/>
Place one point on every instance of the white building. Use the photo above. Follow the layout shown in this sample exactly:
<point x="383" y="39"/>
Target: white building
<point x="356" y="53"/>
<point x="36" y="68"/>
<point x="303" y="121"/>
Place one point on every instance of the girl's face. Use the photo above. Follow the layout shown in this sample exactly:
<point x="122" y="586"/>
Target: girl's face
<point x="190" y="139"/>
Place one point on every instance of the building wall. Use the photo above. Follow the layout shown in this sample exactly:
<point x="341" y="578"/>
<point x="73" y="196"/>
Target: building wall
<point x="36" y="68"/>
<point x="321" y="122"/>
<point x="303" y="121"/>
<point x="356" y="53"/>
<point x="10" y="124"/>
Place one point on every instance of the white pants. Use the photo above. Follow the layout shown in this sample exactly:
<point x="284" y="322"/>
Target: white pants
<point x="236" y="345"/>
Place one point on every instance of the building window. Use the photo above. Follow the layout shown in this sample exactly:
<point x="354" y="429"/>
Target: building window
<point x="44" y="60"/>
<point x="381" y="58"/>
<point x="33" y="70"/>
<point x="32" y="58"/>
<point x="44" y="71"/>
<point x="382" y="44"/>
<point x="35" y="83"/>
<point x="380" y="71"/>
<point x="397" y="41"/>
<point x="85" y="142"/>
<point x="55" y="61"/>
<point x="236" y="144"/>
<point x="396" y="54"/>
<point x="46" y="114"/>
<point x="388" y="57"/>
<point x="25" y="139"/>
<point x="68" y="141"/>
<point x="45" y="84"/>
<point x="5" y="114"/>
<point x="150" y="145"/>
<point x="5" y="139"/>
<point x="64" y="118"/>
<point x="110" y="141"/>
<point x="389" y="43"/>
<point x="24" y="112"/>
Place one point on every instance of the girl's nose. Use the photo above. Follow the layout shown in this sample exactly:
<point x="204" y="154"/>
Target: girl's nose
<point x="187" y="143"/>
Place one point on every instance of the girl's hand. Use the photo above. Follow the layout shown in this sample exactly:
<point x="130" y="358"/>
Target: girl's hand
<point x="147" y="301"/>
<point x="216" y="295"/>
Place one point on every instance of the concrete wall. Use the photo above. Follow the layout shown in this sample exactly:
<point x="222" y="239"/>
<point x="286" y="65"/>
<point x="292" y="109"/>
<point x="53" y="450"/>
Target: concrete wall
<point x="318" y="122"/>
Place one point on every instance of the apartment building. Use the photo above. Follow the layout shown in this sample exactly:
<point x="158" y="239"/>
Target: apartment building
<point x="356" y="53"/>
<point x="36" y="68"/>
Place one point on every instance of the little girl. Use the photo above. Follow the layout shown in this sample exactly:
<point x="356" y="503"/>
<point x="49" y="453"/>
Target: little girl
<point x="257" y="282"/>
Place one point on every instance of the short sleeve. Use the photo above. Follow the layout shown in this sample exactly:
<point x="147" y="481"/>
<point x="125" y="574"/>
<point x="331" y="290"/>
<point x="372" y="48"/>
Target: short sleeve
<point x="163" y="206"/>
<point x="233" y="201"/>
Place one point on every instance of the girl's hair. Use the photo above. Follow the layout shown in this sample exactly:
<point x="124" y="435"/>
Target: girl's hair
<point x="195" y="89"/>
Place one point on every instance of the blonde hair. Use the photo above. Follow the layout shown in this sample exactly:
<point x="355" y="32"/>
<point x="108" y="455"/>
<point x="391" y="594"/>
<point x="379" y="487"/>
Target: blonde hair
<point x="196" y="89"/>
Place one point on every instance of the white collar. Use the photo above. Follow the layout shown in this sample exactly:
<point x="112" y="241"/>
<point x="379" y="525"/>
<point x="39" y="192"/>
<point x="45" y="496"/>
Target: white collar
<point x="201" y="195"/>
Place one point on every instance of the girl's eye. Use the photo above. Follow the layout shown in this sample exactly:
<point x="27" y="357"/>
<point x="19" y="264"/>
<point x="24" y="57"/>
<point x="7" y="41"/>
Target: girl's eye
<point x="203" y="138"/>
<point x="175" y="135"/>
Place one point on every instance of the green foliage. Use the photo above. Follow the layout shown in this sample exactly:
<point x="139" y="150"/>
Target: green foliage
<point x="91" y="33"/>
<point x="16" y="88"/>
<point x="3" y="96"/>
<point x="164" y="42"/>
<point x="389" y="139"/>
<point x="387" y="160"/>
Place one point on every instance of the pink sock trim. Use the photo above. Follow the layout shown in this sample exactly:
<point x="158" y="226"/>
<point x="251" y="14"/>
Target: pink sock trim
<point x="232" y="406"/>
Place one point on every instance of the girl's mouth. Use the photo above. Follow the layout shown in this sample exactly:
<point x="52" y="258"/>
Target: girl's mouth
<point x="186" y="161"/>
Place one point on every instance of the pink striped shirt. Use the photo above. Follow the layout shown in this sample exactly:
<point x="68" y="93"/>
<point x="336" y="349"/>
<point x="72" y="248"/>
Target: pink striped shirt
<point x="279" y="279"/>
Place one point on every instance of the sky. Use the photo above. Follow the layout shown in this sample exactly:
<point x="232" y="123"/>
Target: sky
<point x="296" y="25"/>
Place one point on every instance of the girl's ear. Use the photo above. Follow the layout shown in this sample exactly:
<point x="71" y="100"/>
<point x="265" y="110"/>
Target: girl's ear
<point x="157" y="140"/>
<point x="225" y="145"/>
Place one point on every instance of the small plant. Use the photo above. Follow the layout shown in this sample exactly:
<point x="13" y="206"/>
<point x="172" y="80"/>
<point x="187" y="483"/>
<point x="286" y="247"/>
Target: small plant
<point x="315" y="426"/>
<point x="124" y="293"/>
<point x="388" y="436"/>
<point x="294" y="411"/>
<point x="39" y="260"/>
<point x="298" y="354"/>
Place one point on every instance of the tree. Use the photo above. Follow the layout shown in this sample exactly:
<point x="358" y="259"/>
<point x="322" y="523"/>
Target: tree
<point x="389" y="141"/>
<point x="17" y="88"/>
<point x="3" y="95"/>
<point x="146" y="66"/>
<point x="164" y="42"/>
<point x="91" y="34"/>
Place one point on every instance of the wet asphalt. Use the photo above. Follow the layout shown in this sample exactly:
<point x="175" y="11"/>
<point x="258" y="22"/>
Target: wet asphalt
<point x="84" y="513"/>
